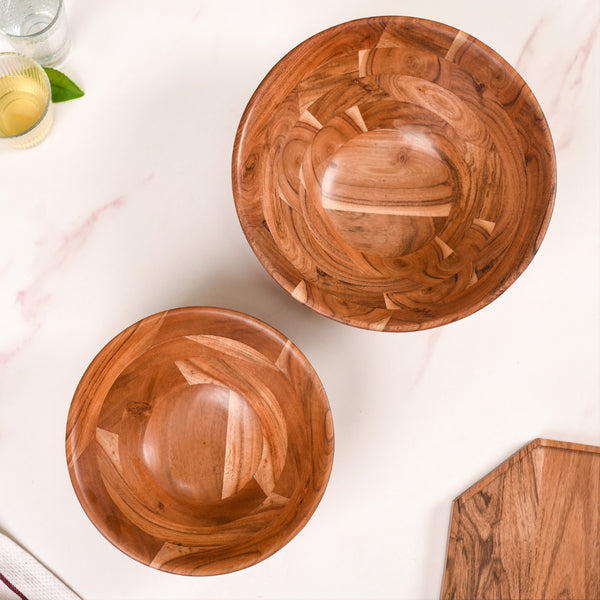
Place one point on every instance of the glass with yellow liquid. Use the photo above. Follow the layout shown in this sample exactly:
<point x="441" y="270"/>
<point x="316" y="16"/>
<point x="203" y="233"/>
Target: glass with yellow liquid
<point x="25" y="101"/>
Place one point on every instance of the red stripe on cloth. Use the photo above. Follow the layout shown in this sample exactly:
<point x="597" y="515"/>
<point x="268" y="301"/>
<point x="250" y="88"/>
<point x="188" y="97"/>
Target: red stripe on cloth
<point x="11" y="587"/>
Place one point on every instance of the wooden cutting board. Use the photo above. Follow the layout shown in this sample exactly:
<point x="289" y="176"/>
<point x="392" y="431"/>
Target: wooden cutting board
<point x="530" y="529"/>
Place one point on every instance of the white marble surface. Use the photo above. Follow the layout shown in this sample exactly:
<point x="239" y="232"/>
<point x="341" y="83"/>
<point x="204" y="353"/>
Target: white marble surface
<point x="126" y="210"/>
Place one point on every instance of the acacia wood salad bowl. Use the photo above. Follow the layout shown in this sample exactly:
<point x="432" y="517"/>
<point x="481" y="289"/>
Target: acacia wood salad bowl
<point x="394" y="173"/>
<point x="199" y="441"/>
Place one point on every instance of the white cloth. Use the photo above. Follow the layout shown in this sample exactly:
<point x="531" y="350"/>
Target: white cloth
<point x="22" y="577"/>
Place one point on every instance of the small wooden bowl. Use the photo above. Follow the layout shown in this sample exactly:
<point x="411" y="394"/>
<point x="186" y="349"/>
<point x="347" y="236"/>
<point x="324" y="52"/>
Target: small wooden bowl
<point x="394" y="173"/>
<point x="199" y="441"/>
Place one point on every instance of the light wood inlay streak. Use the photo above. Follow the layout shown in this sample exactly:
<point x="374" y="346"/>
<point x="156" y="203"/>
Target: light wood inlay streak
<point x="530" y="530"/>
<point x="193" y="375"/>
<point x="362" y="62"/>
<point x="109" y="442"/>
<point x="446" y="250"/>
<point x="274" y="501"/>
<point x="487" y="225"/>
<point x="241" y="446"/>
<point x="390" y="304"/>
<point x="379" y="325"/>
<point x="170" y="551"/>
<point x="371" y="141"/>
<point x="265" y="474"/>
<point x="283" y="360"/>
<point x="310" y="119"/>
<point x="231" y="347"/>
<point x="220" y="420"/>
<point x="354" y="113"/>
<point x="439" y="210"/>
<point x="284" y="199"/>
<point x="300" y="292"/>
<point x="459" y="40"/>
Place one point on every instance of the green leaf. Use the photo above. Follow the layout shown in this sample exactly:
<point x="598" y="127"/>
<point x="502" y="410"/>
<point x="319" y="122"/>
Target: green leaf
<point x="63" y="88"/>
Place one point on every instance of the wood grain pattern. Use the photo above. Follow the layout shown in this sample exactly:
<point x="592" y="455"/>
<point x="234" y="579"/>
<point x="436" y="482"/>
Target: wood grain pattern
<point x="394" y="173"/>
<point x="530" y="530"/>
<point x="199" y="441"/>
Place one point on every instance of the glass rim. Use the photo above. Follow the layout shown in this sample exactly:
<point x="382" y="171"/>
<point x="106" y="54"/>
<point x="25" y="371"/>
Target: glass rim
<point x="48" y="101"/>
<point x="32" y="35"/>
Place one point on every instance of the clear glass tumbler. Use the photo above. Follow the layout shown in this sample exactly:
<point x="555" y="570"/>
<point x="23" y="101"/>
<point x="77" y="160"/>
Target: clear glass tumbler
<point x="25" y="101"/>
<point x="37" y="28"/>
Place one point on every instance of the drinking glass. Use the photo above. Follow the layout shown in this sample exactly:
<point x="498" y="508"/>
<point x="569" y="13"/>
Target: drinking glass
<point x="25" y="101"/>
<point x="37" y="28"/>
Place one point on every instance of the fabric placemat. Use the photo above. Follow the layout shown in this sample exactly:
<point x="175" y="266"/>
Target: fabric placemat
<point x="22" y="577"/>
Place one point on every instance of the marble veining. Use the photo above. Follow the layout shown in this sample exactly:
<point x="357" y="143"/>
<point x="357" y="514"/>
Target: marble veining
<point x="430" y="349"/>
<point x="561" y="73"/>
<point x="51" y="256"/>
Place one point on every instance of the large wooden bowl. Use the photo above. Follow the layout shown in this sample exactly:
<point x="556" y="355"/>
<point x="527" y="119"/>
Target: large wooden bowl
<point x="199" y="441"/>
<point x="394" y="173"/>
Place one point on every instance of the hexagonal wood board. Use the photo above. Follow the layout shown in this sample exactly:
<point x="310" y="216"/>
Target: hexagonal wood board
<point x="530" y="529"/>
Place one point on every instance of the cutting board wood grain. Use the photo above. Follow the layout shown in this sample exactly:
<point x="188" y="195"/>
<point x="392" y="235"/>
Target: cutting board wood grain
<point x="530" y="529"/>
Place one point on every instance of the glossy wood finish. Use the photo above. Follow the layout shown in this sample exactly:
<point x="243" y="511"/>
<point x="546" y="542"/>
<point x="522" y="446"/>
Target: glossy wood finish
<point x="199" y="441"/>
<point x="394" y="173"/>
<point x="530" y="530"/>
